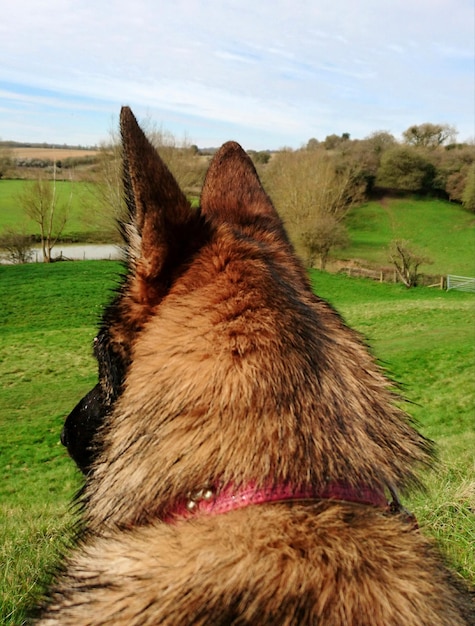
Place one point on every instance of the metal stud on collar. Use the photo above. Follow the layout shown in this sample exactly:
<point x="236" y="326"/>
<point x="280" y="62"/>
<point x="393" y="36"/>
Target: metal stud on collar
<point x="194" y="498"/>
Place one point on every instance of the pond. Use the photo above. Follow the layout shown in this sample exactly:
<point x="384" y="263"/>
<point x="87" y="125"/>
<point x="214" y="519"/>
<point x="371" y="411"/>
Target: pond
<point x="81" y="252"/>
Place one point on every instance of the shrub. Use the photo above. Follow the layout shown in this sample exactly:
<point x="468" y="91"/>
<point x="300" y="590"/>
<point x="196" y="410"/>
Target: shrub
<point x="17" y="245"/>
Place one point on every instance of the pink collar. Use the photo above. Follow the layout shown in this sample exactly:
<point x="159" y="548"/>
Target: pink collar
<point x="213" y="501"/>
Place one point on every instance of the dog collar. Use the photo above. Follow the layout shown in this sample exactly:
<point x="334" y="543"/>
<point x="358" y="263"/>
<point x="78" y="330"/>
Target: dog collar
<point x="214" y="501"/>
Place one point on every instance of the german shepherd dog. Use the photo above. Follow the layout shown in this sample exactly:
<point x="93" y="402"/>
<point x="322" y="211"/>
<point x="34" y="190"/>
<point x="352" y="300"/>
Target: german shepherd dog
<point x="242" y="449"/>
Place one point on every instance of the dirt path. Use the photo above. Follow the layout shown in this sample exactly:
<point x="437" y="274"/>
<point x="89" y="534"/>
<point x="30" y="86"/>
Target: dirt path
<point x="385" y="203"/>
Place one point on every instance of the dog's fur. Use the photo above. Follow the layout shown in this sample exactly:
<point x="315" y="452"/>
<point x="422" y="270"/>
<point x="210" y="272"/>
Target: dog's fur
<point x="219" y="366"/>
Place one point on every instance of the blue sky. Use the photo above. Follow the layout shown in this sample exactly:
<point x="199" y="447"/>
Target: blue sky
<point x="265" y="73"/>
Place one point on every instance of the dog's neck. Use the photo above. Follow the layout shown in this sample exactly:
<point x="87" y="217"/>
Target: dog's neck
<point x="213" y="501"/>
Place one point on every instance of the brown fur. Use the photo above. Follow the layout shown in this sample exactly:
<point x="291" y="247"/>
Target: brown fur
<point x="232" y="371"/>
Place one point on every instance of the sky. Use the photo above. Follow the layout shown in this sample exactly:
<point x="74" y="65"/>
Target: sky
<point x="266" y="73"/>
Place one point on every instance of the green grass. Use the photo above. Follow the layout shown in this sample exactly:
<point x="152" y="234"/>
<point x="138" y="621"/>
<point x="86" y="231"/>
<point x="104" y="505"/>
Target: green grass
<point x="442" y="230"/>
<point x="82" y="223"/>
<point x="49" y="316"/>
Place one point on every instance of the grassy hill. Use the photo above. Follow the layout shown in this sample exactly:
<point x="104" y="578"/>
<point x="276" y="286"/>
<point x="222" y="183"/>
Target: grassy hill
<point x="444" y="231"/>
<point x="49" y="317"/>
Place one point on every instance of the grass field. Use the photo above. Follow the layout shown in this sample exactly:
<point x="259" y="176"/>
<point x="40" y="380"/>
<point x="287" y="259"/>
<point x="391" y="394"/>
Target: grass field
<point x="83" y="223"/>
<point x="49" y="317"/>
<point x="444" y="231"/>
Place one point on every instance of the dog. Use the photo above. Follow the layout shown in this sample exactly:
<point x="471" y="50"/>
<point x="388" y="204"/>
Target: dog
<point x="242" y="449"/>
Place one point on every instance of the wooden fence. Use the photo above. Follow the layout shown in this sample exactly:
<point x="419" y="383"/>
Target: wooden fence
<point x="389" y="275"/>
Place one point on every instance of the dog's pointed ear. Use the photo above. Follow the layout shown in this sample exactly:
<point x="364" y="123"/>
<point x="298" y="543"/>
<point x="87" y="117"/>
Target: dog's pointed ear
<point x="157" y="206"/>
<point x="232" y="190"/>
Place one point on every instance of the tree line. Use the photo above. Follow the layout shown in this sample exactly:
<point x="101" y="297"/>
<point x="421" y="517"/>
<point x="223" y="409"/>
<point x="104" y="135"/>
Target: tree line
<point x="427" y="160"/>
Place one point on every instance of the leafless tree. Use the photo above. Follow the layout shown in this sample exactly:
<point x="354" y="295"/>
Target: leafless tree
<point x="5" y="158"/>
<point x="17" y="245"/>
<point x="41" y="202"/>
<point x="182" y="158"/>
<point x="313" y="192"/>
<point x="325" y="235"/>
<point x="406" y="261"/>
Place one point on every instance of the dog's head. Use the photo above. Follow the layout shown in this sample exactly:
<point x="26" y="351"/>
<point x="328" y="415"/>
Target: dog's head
<point x="216" y="360"/>
<point x="164" y="237"/>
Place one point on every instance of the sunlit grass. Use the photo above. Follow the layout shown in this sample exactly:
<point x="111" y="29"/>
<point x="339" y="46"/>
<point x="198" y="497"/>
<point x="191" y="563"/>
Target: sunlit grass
<point x="442" y="230"/>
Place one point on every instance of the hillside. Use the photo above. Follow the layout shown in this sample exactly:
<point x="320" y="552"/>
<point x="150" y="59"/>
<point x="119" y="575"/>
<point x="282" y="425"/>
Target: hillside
<point x="442" y="230"/>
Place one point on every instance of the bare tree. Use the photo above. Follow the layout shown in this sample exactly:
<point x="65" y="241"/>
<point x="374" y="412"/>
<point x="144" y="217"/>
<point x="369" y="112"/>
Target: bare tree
<point x="406" y="261"/>
<point x="313" y="192"/>
<point x="40" y="201"/>
<point x="182" y="158"/>
<point x="17" y="244"/>
<point x="380" y="140"/>
<point x="105" y="191"/>
<point x="325" y="235"/>
<point x="5" y="158"/>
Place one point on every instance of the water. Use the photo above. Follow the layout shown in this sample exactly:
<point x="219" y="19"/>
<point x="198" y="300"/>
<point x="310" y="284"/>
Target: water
<point x="81" y="252"/>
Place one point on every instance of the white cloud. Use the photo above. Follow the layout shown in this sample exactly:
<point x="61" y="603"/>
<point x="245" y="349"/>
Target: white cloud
<point x="276" y="72"/>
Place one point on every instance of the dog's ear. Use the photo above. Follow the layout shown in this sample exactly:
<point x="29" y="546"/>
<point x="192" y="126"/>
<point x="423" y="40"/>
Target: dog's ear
<point x="232" y="190"/>
<point x="158" y="209"/>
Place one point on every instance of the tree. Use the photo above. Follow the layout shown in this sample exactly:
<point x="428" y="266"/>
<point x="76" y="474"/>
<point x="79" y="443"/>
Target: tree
<point x="319" y="240"/>
<point x="183" y="159"/>
<point x="468" y="195"/>
<point x="312" y="144"/>
<point x="106" y="188"/>
<point x="313" y="192"/>
<point x="429" y="135"/>
<point x="186" y="165"/>
<point x="259" y="157"/>
<point x="379" y="141"/>
<point x="332" y="142"/>
<point x="406" y="261"/>
<point x="455" y="184"/>
<point x="5" y="158"/>
<point x="40" y="201"/>
<point x="406" y="169"/>
<point x="17" y="245"/>
<point x="452" y="166"/>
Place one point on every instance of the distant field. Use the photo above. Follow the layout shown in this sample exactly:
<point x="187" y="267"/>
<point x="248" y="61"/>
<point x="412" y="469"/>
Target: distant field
<point x="49" y="317"/>
<point x="54" y="154"/>
<point x="85" y="222"/>
<point x="444" y="231"/>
